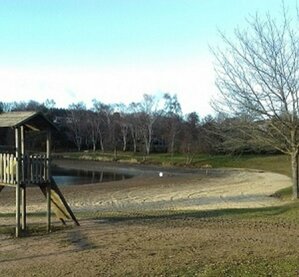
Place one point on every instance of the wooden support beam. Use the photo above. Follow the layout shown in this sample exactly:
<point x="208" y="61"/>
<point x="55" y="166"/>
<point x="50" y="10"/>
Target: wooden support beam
<point x="23" y="188"/>
<point x="47" y="177"/>
<point x="49" y="207"/>
<point x="24" y="212"/>
<point x="18" y="198"/>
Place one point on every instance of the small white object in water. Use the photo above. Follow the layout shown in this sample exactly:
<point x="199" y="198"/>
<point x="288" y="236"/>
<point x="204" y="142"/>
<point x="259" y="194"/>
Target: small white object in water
<point x="161" y="174"/>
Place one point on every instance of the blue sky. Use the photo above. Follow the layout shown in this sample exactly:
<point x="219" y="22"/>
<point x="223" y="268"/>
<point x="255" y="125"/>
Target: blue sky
<point x="115" y="51"/>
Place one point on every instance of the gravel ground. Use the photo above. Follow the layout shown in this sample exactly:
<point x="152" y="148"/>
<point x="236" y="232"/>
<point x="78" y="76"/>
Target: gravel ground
<point x="154" y="246"/>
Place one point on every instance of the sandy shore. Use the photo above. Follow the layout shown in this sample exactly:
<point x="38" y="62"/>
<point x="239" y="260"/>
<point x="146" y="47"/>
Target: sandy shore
<point x="178" y="189"/>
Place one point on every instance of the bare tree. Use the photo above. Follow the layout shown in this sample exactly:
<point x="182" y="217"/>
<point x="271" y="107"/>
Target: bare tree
<point x="123" y="122"/>
<point x="106" y="128"/>
<point x="173" y="114"/>
<point x="132" y="119"/>
<point x="190" y="140"/>
<point x="77" y="123"/>
<point x="93" y="125"/>
<point x="258" y="81"/>
<point x="99" y="122"/>
<point x="148" y="111"/>
<point x="6" y="106"/>
<point x="49" y="104"/>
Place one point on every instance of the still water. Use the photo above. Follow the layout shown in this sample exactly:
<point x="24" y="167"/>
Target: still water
<point x="64" y="177"/>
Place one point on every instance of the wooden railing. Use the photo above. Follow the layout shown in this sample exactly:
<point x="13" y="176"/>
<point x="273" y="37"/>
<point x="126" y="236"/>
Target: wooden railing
<point x="8" y="168"/>
<point x="33" y="169"/>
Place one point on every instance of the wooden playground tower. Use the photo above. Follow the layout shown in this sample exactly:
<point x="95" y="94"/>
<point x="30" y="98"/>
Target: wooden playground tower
<point x="20" y="169"/>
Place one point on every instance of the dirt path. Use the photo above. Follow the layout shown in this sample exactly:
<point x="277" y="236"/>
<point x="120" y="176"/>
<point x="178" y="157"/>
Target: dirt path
<point x="168" y="246"/>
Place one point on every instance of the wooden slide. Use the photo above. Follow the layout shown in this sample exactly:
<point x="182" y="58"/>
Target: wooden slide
<point x="59" y="205"/>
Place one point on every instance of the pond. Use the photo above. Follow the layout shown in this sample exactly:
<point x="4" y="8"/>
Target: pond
<point x="65" y="177"/>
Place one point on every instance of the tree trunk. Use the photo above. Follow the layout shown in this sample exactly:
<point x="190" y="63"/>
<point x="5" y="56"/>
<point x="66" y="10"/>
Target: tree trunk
<point x="134" y="145"/>
<point x="115" y="154"/>
<point x="101" y="143"/>
<point x="124" y="143"/>
<point x="172" y="144"/>
<point x="147" y="145"/>
<point x="148" y="139"/>
<point x="294" y="162"/>
<point x="134" y="138"/>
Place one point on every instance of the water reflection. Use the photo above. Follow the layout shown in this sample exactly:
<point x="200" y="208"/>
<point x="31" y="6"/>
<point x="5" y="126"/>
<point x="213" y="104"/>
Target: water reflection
<point x="64" y="177"/>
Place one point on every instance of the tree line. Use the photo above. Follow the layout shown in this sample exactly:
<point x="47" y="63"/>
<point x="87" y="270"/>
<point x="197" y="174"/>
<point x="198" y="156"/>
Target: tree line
<point x="155" y="124"/>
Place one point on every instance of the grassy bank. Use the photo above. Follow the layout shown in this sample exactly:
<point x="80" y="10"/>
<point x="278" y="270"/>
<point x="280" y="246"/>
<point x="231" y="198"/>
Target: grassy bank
<point x="273" y="163"/>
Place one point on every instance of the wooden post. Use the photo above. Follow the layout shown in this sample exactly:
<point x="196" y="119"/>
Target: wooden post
<point x="23" y="188"/>
<point x="17" y="142"/>
<point x="48" y="175"/>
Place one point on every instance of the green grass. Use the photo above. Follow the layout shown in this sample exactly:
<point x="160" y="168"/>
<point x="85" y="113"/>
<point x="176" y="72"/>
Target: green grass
<point x="284" y="266"/>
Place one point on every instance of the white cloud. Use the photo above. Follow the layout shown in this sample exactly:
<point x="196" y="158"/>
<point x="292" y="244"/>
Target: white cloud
<point x="192" y="81"/>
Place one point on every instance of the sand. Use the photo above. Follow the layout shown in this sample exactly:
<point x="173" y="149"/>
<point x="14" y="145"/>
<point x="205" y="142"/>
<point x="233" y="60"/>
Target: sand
<point x="178" y="189"/>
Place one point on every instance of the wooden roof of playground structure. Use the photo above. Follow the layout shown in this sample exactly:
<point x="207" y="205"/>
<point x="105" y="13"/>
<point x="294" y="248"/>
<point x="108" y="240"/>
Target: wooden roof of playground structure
<point x="31" y="120"/>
